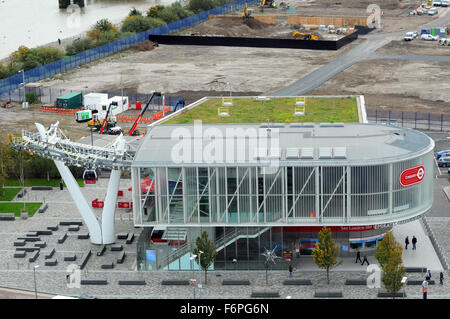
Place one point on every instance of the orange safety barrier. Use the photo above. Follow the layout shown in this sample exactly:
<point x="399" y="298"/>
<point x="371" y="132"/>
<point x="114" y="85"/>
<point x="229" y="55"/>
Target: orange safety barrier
<point x="132" y="119"/>
<point x="58" y="110"/>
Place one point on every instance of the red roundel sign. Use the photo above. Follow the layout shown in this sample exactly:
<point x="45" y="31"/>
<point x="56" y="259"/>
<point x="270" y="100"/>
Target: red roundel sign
<point x="412" y="176"/>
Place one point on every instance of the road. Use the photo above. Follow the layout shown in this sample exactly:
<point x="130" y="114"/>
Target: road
<point x="362" y="52"/>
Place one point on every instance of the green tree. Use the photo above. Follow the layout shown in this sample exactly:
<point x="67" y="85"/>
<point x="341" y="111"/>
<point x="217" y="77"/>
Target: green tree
<point x="32" y="97"/>
<point x="326" y="252"/>
<point x="81" y="45"/>
<point x="389" y="255"/>
<point x="104" y="25"/>
<point x="134" y="12"/>
<point x="138" y="24"/>
<point x="153" y="11"/>
<point x="208" y="253"/>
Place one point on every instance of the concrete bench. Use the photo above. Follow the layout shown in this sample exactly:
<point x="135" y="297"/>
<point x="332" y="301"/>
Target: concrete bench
<point x="51" y="262"/>
<point x="34" y="256"/>
<point x="7" y="216"/>
<point x="122" y="236"/>
<point x="101" y="250"/>
<point x="356" y="282"/>
<point x="40" y="244"/>
<point x="53" y="227"/>
<point x="31" y="234"/>
<point x="175" y="282"/>
<point x="20" y="254"/>
<point x="130" y="238"/>
<point x="418" y="282"/>
<point x="93" y="282"/>
<point x="297" y="282"/>
<point x="43" y="232"/>
<point x="108" y="266"/>
<point x="132" y="282"/>
<point x="19" y="243"/>
<point x="41" y="188"/>
<point x="121" y="258"/>
<point x="385" y="294"/>
<point x="43" y="208"/>
<point x="69" y="223"/>
<point x="29" y="238"/>
<point x="416" y="269"/>
<point x="62" y="239"/>
<point x="74" y="228"/>
<point x="116" y="248"/>
<point x="28" y="249"/>
<point x="71" y="257"/>
<point x="230" y="282"/>
<point x="85" y="258"/>
<point x="265" y="294"/>
<point x="83" y="236"/>
<point x="325" y="293"/>
<point x="50" y="254"/>
<point x="22" y="193"/>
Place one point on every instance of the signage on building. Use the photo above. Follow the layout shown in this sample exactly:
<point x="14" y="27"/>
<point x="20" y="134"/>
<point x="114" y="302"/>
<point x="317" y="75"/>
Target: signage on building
<point x="412" y="176"/>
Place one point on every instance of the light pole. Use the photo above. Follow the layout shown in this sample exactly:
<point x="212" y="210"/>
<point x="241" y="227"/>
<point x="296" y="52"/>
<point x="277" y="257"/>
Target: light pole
<point x="23" y="82"/>
<point x="191" y="259"/>
<point x="34" y="275"/>
<point x="200" y="276"/>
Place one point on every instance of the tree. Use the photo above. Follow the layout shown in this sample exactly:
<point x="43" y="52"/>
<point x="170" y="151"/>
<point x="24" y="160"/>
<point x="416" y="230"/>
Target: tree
<point x="104" y="25"/>
<point x="271" y="258"/>
<point x="138" y="24"/>
<point x="134" y="12"/>
<point x="389" y="256"/>
<point x="326" y="252"/>
<point x="206" y="252"/>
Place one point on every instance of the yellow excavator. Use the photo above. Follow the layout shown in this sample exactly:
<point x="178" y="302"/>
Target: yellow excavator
<point x="304" y="36"/>
<point x="247" y="13"/>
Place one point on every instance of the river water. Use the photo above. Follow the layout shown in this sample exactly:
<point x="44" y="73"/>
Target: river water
<point x="37" y="22"/>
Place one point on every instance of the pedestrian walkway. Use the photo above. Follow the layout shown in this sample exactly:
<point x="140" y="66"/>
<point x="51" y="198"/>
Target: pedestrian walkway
<point x="424" y="255"/>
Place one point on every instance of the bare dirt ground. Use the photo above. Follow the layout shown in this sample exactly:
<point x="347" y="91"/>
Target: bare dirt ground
<point x="237" y="27"/>
<point x="395" y="84"/>
<point x="415" y="47"/>
<point x="172" y="68"/>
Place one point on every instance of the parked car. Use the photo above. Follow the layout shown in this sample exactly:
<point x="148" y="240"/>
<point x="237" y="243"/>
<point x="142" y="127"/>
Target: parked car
<point x="429" y="37"/>
<point x="444" y="161"/>
<point x="437" y="3"/>
<point x="445" y="3"/>
<point x="432" y="11"/>
<point x="444" y="153"/>
<point x="323" y="27"/>
<point x="409" y="36"/>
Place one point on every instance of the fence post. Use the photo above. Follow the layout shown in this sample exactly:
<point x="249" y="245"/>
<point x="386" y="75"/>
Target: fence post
<point x="415" y="120"/>
<point x="402" y="118"/>
<point x="389" y="117"/>
<point x="442" y="121"/>
<point x="376" y="116"/>
<point x="429" y="120"/>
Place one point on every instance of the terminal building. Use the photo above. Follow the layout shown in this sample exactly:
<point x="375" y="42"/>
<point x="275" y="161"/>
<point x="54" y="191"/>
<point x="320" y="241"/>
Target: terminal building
<point x="257" y="186"/>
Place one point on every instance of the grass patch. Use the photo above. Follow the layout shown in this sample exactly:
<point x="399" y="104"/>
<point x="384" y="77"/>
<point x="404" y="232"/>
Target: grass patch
<point x="16" y="208"/>
<point x="10" y="193"/>
<point x="275" y="110"/>
<point x="39" y="182"/>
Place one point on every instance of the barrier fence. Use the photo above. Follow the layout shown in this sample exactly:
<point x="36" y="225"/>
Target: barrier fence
<point x="14" y="82"/>
<point x="416" y="120"/>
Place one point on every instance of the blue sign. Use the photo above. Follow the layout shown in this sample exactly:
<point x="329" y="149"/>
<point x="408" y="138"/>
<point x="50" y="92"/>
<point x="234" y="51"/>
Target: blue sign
<point x="150" y="255"/>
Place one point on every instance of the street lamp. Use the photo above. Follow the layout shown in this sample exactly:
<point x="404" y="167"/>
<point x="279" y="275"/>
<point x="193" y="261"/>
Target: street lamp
<point x="192" y="280"/>
<point x="34" y="275"/>
<point x="23" y="82"/>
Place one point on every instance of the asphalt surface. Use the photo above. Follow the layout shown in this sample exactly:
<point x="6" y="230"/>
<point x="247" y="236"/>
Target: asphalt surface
<point x="362" y="52"/>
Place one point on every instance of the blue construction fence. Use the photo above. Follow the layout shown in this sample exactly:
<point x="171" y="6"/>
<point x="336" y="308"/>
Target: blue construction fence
<point x="13" y="82"/>
<point x="49" y="95"/>
<point x="415" y="120"/>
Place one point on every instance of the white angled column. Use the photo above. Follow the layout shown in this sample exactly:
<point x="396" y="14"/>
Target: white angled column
<point x="83" y="206"/>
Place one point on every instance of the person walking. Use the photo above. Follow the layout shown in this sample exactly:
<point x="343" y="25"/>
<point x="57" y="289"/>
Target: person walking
<point x="358" y="257"/>
<point x="290" y="270"/>
<point x="406" y="242"/>
<point x="441" y="278"/>
<point x="414" y="242"/>
<point x="425" y="289"/>
<point x="365" y="261"/>
<point x="59" y="41"/>
<point x="428" y="277"/>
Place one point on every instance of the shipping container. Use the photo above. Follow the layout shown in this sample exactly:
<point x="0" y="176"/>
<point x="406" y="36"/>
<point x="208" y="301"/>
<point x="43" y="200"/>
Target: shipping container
<point x="96" y="101"/>
<point x="72" y="100"/>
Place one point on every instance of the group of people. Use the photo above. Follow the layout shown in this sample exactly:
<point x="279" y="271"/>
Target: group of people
<point x="413" y="241"/>
<point x="358" y="258"/>
<point x="426" y="281"/>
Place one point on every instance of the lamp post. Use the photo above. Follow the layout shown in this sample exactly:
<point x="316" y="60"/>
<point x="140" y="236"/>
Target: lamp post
<point x="23" y="82"/>
<point x="192" y="280"/>
<point x="34" y="275"/>
<point x="200" y="276"/>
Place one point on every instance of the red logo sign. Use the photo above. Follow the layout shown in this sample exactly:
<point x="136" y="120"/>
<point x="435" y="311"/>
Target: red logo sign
<point x="412" y="176"/>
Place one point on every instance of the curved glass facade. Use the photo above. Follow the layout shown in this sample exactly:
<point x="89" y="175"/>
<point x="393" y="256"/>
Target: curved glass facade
<point x="322" y="194"/>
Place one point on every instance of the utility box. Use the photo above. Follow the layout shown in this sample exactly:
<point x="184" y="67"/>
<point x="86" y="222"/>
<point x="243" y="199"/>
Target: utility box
<point x="72" y="100"/>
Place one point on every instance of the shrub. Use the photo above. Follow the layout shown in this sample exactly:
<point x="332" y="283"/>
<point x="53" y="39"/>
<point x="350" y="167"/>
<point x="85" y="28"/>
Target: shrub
<point x="79" y="46"/>
<point x="201" y="5"/>
<point x="30" y="58"/>
<point x="32" y="97"/>
<point x="104" y="25"/>
<point x="153" y="11"/>
<point x="138" y="24"/>
<point x="174" y="13"/>
<point x="134" y="12"/>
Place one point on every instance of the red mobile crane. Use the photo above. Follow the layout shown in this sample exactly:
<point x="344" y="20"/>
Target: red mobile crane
<point x="130" y="133"/>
